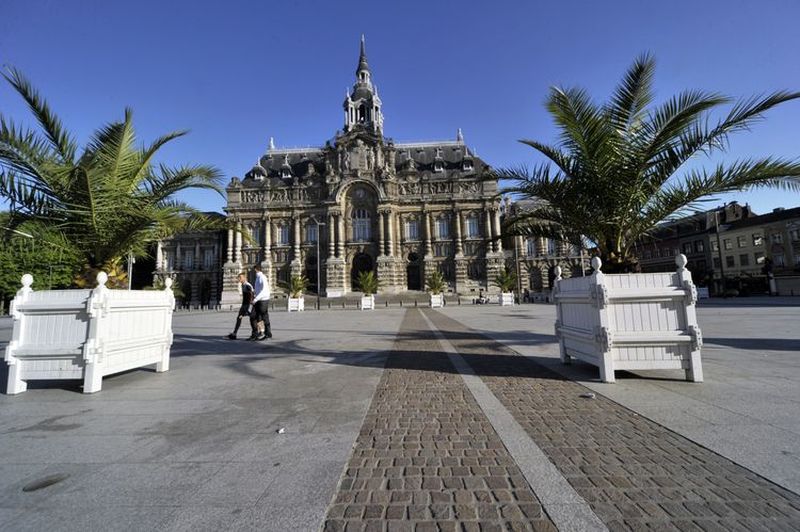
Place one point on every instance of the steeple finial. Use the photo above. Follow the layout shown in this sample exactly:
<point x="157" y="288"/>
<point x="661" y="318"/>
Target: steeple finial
<point x="459" y="136"/>
<point x="271" y="143"/>
<point x="363" y="66"/>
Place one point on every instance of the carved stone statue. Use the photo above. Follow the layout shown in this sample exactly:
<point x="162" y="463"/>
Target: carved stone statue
<point x="370" y="159"/>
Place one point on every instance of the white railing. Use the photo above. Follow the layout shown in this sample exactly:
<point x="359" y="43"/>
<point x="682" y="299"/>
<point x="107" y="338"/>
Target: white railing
<point x="630" y="321"/>
<point x="87" y="334"/>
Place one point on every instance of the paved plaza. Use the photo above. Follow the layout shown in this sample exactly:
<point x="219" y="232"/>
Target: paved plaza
<point x="415" y="419"/>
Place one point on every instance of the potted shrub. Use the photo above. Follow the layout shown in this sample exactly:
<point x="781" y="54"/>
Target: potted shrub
<point x="296" y="287"/>
<point x="368" y="284"/>
<point x="506" y="281"/>
<point x="435" y="284"/>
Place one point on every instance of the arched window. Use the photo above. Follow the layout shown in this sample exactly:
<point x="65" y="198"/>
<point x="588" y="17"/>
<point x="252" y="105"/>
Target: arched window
<point x="362" y="227"/>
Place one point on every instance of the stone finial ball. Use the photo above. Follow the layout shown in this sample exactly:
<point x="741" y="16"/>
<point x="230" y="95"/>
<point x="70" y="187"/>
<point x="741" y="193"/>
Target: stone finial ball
<point x="681" y="261"/>
<point x="168" y="283"/>
<point x="27" y="280"/>
<point x="596" y="263"/>
<point x="102" y="279"/>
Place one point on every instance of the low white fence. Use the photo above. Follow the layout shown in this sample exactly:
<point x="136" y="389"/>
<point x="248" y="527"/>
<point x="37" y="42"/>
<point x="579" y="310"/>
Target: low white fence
<point x="87" y="334"/>
<point x="641" y="321"/>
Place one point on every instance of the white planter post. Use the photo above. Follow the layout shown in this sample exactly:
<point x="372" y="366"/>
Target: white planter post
<point x="437" y="300"/>
<point x="695" y="370"/>
<point x="15" y="383"/>
<point x="506" y="299"/>
<point x="630" y="321"/>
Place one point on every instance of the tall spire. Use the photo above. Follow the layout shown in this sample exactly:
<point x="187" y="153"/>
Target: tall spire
<point x="362" y="58"/>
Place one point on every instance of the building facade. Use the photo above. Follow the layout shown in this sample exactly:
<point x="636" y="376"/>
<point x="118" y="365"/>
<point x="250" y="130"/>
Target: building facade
<point x="729" y="247"/>
<point x="362" y="203"/>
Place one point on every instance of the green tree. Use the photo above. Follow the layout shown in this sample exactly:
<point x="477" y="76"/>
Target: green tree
<point x="47" y="257"/>
<point x="506" y="280"/>
<point x="108" y="199"/>
<point x="620" y="168"/>
<point x="368" y="283"/>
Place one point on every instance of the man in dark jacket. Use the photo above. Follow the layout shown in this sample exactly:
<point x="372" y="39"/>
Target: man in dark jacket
<point x="247" y="302"/>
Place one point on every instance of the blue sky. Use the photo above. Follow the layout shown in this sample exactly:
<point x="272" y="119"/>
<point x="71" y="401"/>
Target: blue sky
<point x="236" y="73"/>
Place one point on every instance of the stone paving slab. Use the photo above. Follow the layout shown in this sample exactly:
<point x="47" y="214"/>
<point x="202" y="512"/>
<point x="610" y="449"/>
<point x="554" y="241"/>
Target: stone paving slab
<point x="748" y="408"/>
<point x="427" y="457"/>
<point x="634" y="473"/>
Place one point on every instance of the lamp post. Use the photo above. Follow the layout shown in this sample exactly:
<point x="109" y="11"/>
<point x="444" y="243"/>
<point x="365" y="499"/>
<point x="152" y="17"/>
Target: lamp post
<point x="319" y="273"/>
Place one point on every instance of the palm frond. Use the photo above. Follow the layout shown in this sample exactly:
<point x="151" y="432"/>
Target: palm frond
<point x="59" y="138"/>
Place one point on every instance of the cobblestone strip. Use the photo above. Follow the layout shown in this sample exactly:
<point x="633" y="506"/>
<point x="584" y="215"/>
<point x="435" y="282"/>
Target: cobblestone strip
<point x="427" y="458"/>
<point x="634" y="473"/>
<point x="567" y="509"/>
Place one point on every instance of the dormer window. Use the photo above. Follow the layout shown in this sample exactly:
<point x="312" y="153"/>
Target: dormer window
<point x="467" y="166"/>
<point x="438" y="166"/>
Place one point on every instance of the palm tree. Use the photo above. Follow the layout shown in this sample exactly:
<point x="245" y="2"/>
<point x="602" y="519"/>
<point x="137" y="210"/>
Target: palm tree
<point x="109" y="199"/>
<point x="619" y="169"/>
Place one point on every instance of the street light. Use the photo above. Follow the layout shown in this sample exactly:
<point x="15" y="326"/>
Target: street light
<point x="319" y="273"/>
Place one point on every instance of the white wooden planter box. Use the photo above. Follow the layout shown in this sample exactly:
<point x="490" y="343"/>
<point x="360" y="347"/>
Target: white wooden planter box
<point x="506" y="298"/>
<point x="630" y="321"/>
<point x="368" y="302"/>
<point x="87" y="334"/>
<point x="437" y="300"/>
<point x="296" y="304"/>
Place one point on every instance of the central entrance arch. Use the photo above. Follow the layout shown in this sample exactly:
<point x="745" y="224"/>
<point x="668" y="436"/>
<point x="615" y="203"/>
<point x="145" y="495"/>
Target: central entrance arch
<point x="361" y="263"/>
<point x="414" y="272"/>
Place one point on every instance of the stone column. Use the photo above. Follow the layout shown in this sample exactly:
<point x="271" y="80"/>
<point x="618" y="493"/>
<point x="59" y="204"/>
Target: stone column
<point x="296" y="238"/>
<point x="267" y="238"/>
<point x="490" y="246"/>
<point x="497" y="231"/>
<point x="331" y="236"/>
<point x="459" y="242"/>
<point x="198" y="264"/>
<point x="341" y="236"/>
<point x="159" y="256"/>
<point x="229" y="250"/>
<point x="389" y="226"/>
<point x="428" y="234"/>
<point x="178" y="261"/>
<point x="238" y="252"/>
<point x="381" y="241"/>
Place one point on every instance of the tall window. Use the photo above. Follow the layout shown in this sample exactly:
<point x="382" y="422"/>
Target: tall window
<point x="551" y="246"/>
<point x="208" y="259"/>
<point x="777" y="260"/>
<point x="530" y="247"/>
<point x="741" y="241"/>
<point x="255" y="234"/>
<point x="758" y="240"/>
<point x="361" y="226"/>
<point x="727" y="244"/>
<point x="412" y="229"/>
<point x="188" y="260"/>
<point x="777" y="238"/>
<point x="311" y="232"/>
<point x="169" y="257"/>
<point x="283" y="234"/>
<point x="443" y="227"/>
<point x="473" y="227"/>
<point x="744" y="259"/>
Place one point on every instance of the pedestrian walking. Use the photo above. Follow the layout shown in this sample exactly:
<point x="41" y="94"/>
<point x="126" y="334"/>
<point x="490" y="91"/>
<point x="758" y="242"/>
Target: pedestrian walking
<point x="247" y="304"/>
<point x="259" y="318"/>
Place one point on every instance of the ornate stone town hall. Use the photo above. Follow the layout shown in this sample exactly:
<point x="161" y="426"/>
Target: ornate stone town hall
<point x="363" y="202"/>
